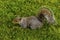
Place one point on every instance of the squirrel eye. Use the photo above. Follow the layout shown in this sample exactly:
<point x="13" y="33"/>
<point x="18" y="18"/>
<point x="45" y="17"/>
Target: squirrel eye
<point x="20" y="19"/>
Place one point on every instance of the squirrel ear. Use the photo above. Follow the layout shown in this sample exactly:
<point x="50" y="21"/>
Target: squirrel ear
<point x="18" y="17"/>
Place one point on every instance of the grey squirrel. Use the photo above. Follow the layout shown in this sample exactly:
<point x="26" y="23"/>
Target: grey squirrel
<point x="36" y="21"/>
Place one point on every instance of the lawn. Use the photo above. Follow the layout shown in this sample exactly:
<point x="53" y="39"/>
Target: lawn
<point x="23" y="8"/>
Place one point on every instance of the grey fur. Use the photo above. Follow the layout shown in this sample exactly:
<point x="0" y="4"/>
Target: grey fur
<point x="31" y="22"/>
<point x="36" y="21"/>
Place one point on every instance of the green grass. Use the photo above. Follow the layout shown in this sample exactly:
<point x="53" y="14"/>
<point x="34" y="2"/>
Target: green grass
<point x="23" y="8"/>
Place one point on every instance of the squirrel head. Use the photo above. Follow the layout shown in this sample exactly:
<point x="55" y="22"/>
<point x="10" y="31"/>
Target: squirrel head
<point x="16" y="20"/>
